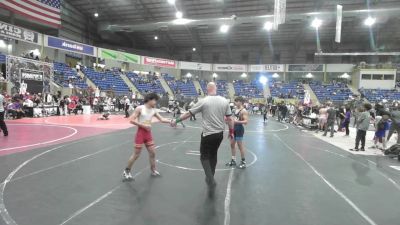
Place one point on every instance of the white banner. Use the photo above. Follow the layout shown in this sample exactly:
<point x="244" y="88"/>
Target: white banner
<point x="195" y="66"/>
<point x="339" y="23"/>
<point x="267" y="68"/>
<point x="279" y="13"/>
<point x="230" y="68"/>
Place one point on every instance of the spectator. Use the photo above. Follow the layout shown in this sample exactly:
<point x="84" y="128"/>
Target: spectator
<point x="346" y="122"/>
<point x="331" y="112"/>
<point x="362" y="127"/>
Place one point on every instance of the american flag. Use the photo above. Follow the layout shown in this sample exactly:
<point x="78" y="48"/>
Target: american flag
<point x="44" y="11"/>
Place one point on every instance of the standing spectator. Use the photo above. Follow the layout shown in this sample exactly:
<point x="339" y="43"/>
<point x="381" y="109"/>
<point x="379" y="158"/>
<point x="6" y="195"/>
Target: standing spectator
<point x="96" y="105"/>
<point x="127" y="103"/>
<point x="395" y="117"/>
<point x="192" y="103"/>
<point x="381" y="128"/>
<point x="340" y="115"/>
<point x="265" y="113"/>
<point x="3" y="125"/>
<point x="322" y="118"/>
<point x="362" y="126"/>
<point x="346" y="122"/>
<point x="330" y="124"/>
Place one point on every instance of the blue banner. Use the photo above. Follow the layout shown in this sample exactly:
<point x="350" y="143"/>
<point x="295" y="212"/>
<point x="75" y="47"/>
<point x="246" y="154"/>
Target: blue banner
<point x="71" y="46"/>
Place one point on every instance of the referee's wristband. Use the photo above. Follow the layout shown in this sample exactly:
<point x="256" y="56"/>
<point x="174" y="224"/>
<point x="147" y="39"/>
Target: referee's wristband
<point x="178" y="120"/>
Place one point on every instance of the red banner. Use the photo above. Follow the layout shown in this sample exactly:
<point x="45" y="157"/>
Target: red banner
<point x="159" y="62"/>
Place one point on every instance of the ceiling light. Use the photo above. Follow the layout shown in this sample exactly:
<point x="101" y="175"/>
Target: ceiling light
<point x="309" y="75"/>
<point x="268" y="26"/>
<point x="181" y="21"/>
<point x="345" y="76"/>
<point x="244" y="75"/>
<point x="171" y="2"/>
<point x="96" y="14"/>
<point x="316" y="23"/>
<point x="215" y="75"/>
<point x="275" y="75"/>
<point x="369" y="21"/>
<point x="2" y="44"/>
<point x="155" y="37"/>
<point x="179" y="15"/>
<point x="188" y="75"/>
<point x="224" y="28"/>
<point x="194" y="49"/>
<point x="263" y="80"/>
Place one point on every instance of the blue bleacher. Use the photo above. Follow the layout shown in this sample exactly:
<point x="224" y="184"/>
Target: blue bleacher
<point x="335" y="92"/>
<point x="222" y="88"/>
<point x="2" y="58"/>
<point x="145" y="85"/>
<point x="294" y="88"/>
<point x="376" y="95"/>
<point x="109" y="80"/>
<point x="203" y="85"/>
<point x="254" y="89"/>
<point x="63" y="74"/>
<point x="185" y="88"/>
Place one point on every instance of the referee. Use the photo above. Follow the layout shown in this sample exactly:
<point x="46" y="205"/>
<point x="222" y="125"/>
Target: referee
<point x="214" y="109"/>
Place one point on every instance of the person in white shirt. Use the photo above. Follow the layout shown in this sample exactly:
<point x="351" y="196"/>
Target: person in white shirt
<point x="95" y="105"/>
<point x="3" y="125"/>
<point x="127" y="103"/>
<point x="28" y="106"/>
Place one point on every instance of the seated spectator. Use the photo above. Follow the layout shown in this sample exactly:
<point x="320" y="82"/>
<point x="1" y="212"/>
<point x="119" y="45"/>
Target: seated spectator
<point x="72" y="107"/>
<point x="15" y="110"/>
<point x="28" y="107"/>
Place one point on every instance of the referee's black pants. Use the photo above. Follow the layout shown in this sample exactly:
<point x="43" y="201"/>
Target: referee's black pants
<point x="209" y="146"/>
<point x="3" y="125"/>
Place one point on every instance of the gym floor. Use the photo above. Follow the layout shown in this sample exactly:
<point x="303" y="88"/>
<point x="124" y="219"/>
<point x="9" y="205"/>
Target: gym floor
<point x="69" y="171"/>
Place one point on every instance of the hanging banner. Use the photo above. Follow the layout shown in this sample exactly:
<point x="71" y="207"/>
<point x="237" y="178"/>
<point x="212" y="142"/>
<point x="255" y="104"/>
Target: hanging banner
<point x="307" y="68"/>
<point x="132" y="58"/>
<point x="71" y="46"/>
<point x="267" y="68"/>
<point x="159" y="62"/>
<point x="19" y="33"/>
<point x="118" y="56"/>
<point x="27" y="75"/>
<point x="279" y="13"/>
<point x="339" y="17"/>
<point x="195" y="66"/>
<point x="230" y="68"/>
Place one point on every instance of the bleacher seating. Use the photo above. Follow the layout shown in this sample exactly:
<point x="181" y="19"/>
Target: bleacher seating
<point x="334" y="92"/>
<point x="376" y="95"/>
<point x="64" y="75"/>
<point x="185" y="88"/>
<point x="222" y="88"/>
<point x="145" y="85"/>
<point x="203" y="85"/>
<point x="253" y="89"/>
<point x="106" y="81"/>
<point x="292" y="89"/>
<point x="2" y="58"/>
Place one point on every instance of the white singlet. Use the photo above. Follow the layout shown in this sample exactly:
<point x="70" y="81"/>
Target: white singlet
<point x="23" y="88"/>
<point x="146" y="115"/>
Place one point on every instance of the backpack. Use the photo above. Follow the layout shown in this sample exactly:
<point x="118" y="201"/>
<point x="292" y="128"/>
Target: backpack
<point x="393" y="150"/>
